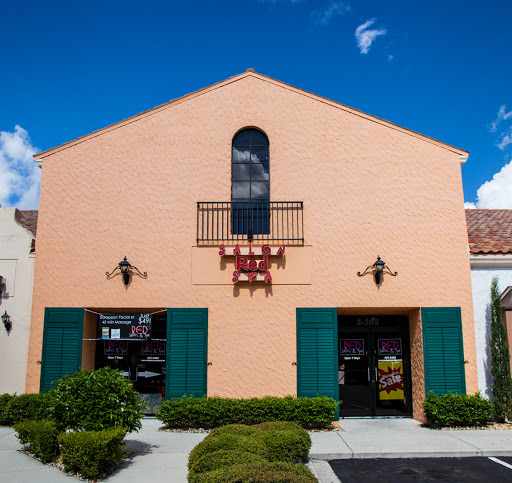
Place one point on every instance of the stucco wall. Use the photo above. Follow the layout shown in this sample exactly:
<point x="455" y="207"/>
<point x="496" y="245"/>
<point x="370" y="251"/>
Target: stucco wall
<point x="17" y="268"/>
<point x="368" y="190"/>
<point x="481" y="285"/>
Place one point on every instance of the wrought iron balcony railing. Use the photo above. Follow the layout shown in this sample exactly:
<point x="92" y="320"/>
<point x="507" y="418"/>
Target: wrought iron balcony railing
<point x="261" y="221"/>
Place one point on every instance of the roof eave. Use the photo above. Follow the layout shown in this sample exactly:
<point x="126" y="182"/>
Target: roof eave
<point x="38" y="157"/>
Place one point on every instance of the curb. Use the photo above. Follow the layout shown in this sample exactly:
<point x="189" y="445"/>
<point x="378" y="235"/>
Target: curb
<point x="411" y="454"/>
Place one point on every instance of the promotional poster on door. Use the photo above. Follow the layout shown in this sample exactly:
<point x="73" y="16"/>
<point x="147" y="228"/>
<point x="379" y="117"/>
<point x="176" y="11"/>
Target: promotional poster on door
<point x="391" y="380"/>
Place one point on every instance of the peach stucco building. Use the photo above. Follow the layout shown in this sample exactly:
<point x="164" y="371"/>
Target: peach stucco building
<point x="260" y="165"/>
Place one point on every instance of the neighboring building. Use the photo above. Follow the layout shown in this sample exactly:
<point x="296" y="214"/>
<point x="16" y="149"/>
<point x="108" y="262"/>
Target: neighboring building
<point x="490" y="246"/>
<point x="312" y="192"/>
<point x="17" y="243"/>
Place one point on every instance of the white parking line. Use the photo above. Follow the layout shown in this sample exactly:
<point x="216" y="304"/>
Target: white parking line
<point x="496" y="460"/>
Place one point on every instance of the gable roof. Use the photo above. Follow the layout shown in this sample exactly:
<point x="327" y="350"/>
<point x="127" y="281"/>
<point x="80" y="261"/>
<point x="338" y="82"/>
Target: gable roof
<point x="250" y="73"/>
<point x="489" y="231"/>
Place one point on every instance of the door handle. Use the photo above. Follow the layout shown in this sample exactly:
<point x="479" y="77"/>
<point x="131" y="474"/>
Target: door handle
<point x="368" y="373"/>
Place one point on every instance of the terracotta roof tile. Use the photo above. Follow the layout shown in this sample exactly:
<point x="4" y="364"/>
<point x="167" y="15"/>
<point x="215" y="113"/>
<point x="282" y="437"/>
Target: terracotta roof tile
<point x="28" y="220"/>
<point x="489" y="231"/>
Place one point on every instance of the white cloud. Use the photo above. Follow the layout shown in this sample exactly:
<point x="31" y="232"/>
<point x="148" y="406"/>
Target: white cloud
<point x="506" y="139"/>
<point x="503" y="115"/>
<point x="366" y="37"/>
<point x="496" y="193"/>
<point x="323" y="17"/>
<point x="20" y="178"/>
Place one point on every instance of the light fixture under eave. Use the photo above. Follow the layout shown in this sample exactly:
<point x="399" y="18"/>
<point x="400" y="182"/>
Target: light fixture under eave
<point x="6" y="319"/>
<point x="379" y="267"/>
<point x="125" y="268"/>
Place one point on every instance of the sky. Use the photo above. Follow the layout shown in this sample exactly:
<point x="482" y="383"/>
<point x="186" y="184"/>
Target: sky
<point x="442" y="68"/>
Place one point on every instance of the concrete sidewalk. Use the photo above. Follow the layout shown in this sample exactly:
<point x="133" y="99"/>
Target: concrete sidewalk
<point x="405" y="438"/>
<point x="162" y="456"/>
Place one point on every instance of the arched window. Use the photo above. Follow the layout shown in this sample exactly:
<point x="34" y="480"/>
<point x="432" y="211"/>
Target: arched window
<point x="250" y="183"/>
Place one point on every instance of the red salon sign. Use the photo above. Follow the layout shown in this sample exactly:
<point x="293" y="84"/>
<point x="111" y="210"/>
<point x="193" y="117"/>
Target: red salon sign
<point x="247" y="267"/>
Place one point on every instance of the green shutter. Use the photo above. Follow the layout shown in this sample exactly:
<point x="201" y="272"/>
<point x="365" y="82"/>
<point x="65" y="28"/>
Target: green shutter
<point x="443" y="350"/>
<point x="186" y="360"/>
<point x="317" y="355"/>
<point x="62" y="344"/>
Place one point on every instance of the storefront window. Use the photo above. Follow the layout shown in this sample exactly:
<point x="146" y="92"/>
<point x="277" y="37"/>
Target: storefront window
<point x="140" y="360"/>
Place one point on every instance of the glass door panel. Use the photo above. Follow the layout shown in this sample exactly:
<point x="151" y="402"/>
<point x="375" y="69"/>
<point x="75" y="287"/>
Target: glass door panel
<point x="354" y="374"/>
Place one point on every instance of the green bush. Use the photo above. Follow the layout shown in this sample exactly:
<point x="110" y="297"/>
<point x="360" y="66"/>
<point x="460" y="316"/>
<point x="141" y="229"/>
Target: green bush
<point x="96" y="400"/>
<point x="26" y="407"/>
<point x="92" y="453"/>
<point x="457" y="409"/>
<point x="283" y="426"/>
<point x="274" y="441"/>
<point x="211" y="412"/>
<point x="257" y="473"/>
<point x="42" y="438"/>
<point x="4" y="399"/>
<point x="220" y="459"/>
<point x="226" y="442"/>
<point x="239" y="429"/>
<point x="285" y="445"/>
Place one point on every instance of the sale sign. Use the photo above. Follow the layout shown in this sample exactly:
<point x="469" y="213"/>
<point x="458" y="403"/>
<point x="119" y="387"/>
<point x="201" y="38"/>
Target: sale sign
<point x="391" y="380"/>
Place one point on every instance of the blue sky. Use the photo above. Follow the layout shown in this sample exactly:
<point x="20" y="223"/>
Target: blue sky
<point x="442" y="68"/>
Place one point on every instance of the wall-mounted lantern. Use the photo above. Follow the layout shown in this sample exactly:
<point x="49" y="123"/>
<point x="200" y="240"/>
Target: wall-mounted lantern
<point x="378" y="269"/>
<point x="6" y="319"/>
<point x="125" y="267"/>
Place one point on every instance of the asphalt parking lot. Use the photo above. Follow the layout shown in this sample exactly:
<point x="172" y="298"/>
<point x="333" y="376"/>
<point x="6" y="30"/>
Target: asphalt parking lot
<point x="423" y="469"/>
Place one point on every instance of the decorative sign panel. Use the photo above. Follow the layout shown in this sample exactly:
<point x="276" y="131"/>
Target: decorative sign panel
<point x="125" y="326"/>
<point x="115" y="347"/>
<point x="389" y="347"/>
<point x="352" y="347"/>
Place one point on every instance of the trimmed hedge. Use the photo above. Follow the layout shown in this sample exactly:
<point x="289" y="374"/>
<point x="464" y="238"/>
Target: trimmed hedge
<point x="233" y="452"/>
<point x="4" y="399"/>
<point x="92" y="453"/>
<point x="220" y="459"/>
<point x="96" y="400"/>
<point x="226" y="442"/>
<point x="457" y="409"/>
<point x="42" y="438"/>
<point x="285" y="445"/>
<point x="26" y="407"/>
<point x="211" y="412"/>
<point x="257" y="473"/>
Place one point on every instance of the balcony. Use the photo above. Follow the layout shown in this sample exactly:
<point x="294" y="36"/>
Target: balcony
<point x="250" y="221"/>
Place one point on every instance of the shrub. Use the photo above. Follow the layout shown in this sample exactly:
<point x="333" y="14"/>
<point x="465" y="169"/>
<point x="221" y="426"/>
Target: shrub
<point x="26" y="407"/>
<point x="226" y="442"/>
<point x="500" y="358"/>
<point x="96" y="400"/>
<point x="285" y="445"/>
<point x="42" y="438"/>
<point x="4" y="399"/>
<point x="239" y="429"/>
<point x="258" y="473"/>
<point x="283" y="426"/>
<point x="92" y="453"/>
<point x="220" y="459"/>
<point x="212" y="412"/>
<point x="457" y="409"/>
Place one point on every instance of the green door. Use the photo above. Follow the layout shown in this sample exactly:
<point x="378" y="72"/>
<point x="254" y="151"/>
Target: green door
<point x="317" y="355"/>
<point x="62" y="344"/>
<point x="443" y="350"/>
<point x="186" y="358"/>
